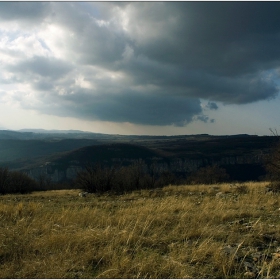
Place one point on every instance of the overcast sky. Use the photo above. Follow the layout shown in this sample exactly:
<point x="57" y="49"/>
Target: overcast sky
<point x="159" y="68"/>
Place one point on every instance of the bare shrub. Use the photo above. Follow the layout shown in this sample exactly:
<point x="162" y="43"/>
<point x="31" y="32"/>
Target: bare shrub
<point x="209" y="175"/>
<point x="95" y="179"/>
<point x="166" y="178"/>
<point x="16" y="182"/>
<point x="98" y="179"/>
<point x="3" y="179"/>
<point x="45" y="182"/>
<point x="272" y="161"/>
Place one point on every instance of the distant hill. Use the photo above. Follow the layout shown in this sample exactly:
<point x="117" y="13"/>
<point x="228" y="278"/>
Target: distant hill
<point x="40" y="134"/>
<point x="9" y="134"/>
<point x="239" y="154"/>
<point x="52" y="131"/>
<point x="15" y="149"/>
<point x="109" y="154"/>
<point x="170" y="149"/>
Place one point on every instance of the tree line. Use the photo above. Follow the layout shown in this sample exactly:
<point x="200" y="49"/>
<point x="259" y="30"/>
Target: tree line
<point x="100" y="179"/>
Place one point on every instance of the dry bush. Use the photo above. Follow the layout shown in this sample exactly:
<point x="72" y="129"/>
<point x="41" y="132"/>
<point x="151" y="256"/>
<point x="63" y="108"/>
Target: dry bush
<point x="101" y="179"/>
<point x="209" y="175"/>
<point x="16" y="182"/>
<point x="272" y="161"/>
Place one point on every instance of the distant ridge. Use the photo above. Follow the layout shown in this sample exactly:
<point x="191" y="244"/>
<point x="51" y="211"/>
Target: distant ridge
<point x="10" y="134"/>
<point x="39" y="130"/>
<point x="56" y="134"/>
<point x="43" y="134"/>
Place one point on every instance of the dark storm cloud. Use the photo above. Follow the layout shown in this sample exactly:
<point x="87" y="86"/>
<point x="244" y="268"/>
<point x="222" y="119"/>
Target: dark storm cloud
<point x="212" y="106"/>
<point x="148" y="62"/>
<point x="215" y="50"/>
<point x="226" y="38"/>
<point x="42" y="66"/>
<point x="136" y="108"/>
<point x="204" y="119"/>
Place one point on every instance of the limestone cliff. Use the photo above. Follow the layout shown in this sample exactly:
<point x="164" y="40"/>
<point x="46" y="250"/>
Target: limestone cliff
<point x="58" y="173"/>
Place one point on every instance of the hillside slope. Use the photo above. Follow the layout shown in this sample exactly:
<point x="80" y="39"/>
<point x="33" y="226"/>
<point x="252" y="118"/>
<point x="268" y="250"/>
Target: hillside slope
<point x="242" y="157"/>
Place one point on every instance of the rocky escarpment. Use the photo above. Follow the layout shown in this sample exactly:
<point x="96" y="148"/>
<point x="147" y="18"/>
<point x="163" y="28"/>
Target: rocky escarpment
<point x="58" y="172"/>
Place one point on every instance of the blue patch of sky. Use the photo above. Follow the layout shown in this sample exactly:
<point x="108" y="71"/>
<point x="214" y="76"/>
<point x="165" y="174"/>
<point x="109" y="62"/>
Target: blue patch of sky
<point x="12" y="35"/>
<point x="44" y="45"/>
<point x="272" y="75"/>
<point x="9" y="34"/>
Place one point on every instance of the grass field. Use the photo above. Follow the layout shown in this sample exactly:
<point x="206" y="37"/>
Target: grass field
<point x="220" y="231"/>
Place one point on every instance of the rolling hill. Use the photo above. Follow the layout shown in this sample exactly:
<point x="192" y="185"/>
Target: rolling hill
<point x="241" y="155"/>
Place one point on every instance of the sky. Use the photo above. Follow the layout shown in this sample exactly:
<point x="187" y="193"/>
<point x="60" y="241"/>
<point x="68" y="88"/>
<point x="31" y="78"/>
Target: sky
<point x="145" y="68"/>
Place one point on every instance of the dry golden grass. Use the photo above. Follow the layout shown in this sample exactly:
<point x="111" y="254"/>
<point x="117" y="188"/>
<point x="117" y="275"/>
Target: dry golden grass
<point x="174" y="232"/>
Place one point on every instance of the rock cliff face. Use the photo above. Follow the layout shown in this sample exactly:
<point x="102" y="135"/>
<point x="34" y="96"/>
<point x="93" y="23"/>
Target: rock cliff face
<point x="57" y="173"/>
<point x="190" y="165"/>
<point x="54" y="173"/>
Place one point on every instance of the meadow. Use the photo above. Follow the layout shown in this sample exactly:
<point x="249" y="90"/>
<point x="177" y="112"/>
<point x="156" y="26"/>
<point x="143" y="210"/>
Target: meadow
<point x="196" y="231"/>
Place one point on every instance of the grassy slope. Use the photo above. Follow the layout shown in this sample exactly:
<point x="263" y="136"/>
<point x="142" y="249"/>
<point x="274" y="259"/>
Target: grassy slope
<point x="175" y="232"/>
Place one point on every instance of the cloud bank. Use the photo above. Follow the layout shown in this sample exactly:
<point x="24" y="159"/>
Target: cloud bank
<point x="138" y="62"/>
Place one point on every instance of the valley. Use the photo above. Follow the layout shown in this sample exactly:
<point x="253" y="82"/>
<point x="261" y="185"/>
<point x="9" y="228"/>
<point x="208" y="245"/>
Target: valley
<point x="60" y="155"/>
